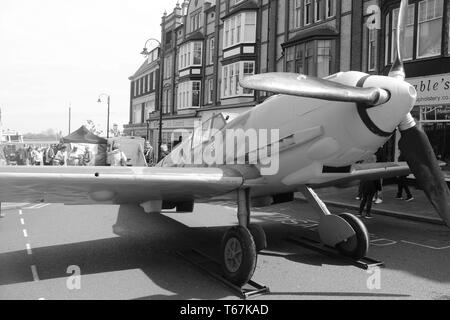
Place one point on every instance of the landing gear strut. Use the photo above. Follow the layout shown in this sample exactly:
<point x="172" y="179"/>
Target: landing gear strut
<point x="241" y="244"/>
<point x="345" y="232"/>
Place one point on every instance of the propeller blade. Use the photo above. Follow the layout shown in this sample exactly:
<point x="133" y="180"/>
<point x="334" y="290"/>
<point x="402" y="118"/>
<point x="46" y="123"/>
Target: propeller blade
<point x="312" y="87"/>
<point x="416" y="148"/>
<point x="398" y="69"/>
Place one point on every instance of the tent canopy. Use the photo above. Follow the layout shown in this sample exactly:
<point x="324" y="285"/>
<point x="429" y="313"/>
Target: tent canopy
<point x="83" y="135"/>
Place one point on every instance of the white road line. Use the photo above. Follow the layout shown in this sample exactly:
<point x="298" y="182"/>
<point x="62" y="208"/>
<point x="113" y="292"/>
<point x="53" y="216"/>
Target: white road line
<point x="22" y="222"/>
<point x="35" y="273"/>
<point x="29" y="251"/>
<point x="25" y="233"/>
<point x="20" y="212"/>
<point x="425" y="246"/>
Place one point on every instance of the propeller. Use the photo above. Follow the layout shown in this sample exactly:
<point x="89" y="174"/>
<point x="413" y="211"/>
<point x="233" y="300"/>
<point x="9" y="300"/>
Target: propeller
<point x="414" y="144"/>
<point x="312" y="87"/>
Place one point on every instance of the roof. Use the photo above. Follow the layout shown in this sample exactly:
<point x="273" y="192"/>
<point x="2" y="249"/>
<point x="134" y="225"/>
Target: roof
<point x="144" y="67"/>
<point x="83" y="135"/>
<point x="322" y="32"/>
<point x="245" y="6"/>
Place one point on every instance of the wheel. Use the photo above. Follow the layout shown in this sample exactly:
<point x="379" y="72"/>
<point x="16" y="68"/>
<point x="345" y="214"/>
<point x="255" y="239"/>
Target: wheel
<point x="187" y="206"/>
<point x="357" y="246"/>
<point x="238" y="255"/>
<point x="259" y="236"/>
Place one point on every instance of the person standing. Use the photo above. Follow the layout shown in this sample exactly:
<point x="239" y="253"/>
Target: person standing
<point x="403" y="185"/>
<point x="49" y="155"/>
<point x="117" y="157"/>
<point x="87" y="157"/>
<point x="61" y="157"/>
<point x="368" y="189"/>
<point x="149" y="154"/>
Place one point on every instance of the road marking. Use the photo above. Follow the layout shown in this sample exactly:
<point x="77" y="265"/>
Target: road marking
<point x="20" y="212"/>
<point x="425" y="246"/>
<point x="22" y="222"/>
<point x="37" y="206"/>
<point x="29" y="251"/>
<point x="35" y="273"/>
<point x="25" y="233"/>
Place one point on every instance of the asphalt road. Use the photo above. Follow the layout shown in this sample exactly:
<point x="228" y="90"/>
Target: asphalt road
<point x="123" y="253"/>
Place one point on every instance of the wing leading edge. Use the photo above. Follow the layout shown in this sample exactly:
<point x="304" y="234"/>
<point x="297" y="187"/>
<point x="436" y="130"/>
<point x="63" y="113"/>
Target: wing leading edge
<point x="113" y="185"/>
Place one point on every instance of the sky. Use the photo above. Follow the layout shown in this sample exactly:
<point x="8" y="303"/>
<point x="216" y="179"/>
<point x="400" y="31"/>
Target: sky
<point x="56" y="54"/>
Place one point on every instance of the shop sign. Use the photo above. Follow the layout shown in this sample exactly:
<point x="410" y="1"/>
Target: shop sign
<point x="432" y="90"/>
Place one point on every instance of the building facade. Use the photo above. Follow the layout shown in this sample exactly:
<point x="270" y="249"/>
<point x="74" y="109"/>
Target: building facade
<point x="144" y="96"/>
<point x="208" y="46"/>
<point x="427" y="65"/>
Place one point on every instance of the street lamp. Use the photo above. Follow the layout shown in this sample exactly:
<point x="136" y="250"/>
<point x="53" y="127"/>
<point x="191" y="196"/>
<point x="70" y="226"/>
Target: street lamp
<point x="148" y="128"/>
<point x="107" y="119"/>
<point x="145" y="52"/>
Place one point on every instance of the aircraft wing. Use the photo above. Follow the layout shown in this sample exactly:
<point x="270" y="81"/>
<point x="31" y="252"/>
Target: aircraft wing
<point x="367" y="171"/>
<point x="113" y="185"/>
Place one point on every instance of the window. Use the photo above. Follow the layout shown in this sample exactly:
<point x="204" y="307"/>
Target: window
<point x="195" y="21"/>
<point x="307" y="12"/>
<point x="240" y="28"/>
<point x="330" y="8"/>
<point x="190" y="54"/>
<point x="386" y="39"/>
<point x="298" y="13"/>
<point x="323" y="58"/>
<point x="149" y="108"/>
<point x="232" y="74"/>
<point x="167" y="67"/>
<point x="313" y="58"/>
<point x="137" y="113"/>
<point x="409" y="34"/>
<point x="154" y="80"/>
<point x="135" y="84"/>
<point x="372" y="50"/>
<point x="189" y="94"/>
<point x="166" y="101"/>
<point x="317" y="10"/>
<point x="149" y="82"/>
<point x="429" y="37"/>
<point x="139" y="86"/>
<point x="211" y="47"/>
<point x="209" y="91"/>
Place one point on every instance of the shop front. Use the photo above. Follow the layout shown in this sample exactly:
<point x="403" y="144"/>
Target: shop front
<point x="173" y="131"/>
<point x="432" y="112"/>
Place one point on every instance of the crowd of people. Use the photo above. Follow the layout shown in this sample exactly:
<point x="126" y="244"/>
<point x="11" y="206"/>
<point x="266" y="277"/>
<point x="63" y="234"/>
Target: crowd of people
<point x="52" y="155"/>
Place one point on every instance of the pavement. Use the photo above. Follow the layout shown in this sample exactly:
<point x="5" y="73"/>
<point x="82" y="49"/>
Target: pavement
<point x="418" y="209"/>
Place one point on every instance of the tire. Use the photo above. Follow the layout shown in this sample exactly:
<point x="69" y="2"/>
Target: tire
<point x="259" y="236"/>
<point x="238" y="255"/>
<point x="357" y="246"/>
<point x="187" y="206"/>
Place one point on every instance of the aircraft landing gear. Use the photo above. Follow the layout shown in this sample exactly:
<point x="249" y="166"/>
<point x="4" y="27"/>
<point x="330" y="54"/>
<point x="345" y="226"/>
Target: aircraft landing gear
<point x="356" y="246"/>
<point x="241" y="244"/>
<point x="345" y="232"/>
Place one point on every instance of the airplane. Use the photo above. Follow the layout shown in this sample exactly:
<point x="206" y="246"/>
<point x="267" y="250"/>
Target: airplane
<point x="325" y="127"/>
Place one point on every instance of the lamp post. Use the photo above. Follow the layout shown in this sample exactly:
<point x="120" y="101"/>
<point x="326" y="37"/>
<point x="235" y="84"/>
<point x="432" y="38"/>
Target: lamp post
<point x="145" y="52"/>
<point x="107" y="119"/>
<point x="148" y="128"/>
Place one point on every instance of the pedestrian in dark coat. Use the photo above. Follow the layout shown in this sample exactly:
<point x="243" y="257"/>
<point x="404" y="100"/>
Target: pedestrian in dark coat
<point x="369" y="189"/>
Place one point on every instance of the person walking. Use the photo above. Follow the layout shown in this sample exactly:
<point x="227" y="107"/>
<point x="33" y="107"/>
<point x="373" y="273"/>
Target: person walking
<point x="368" y="189"/>
<point x="149" y="154"/>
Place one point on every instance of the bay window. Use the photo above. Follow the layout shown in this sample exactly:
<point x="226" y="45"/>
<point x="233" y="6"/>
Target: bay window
<point x="190" y="54"/>
<point x="313" y="58"/>
<point x="232" y="74"/>
<point x="240" y="28"/>
<point x="189" y="94"/>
